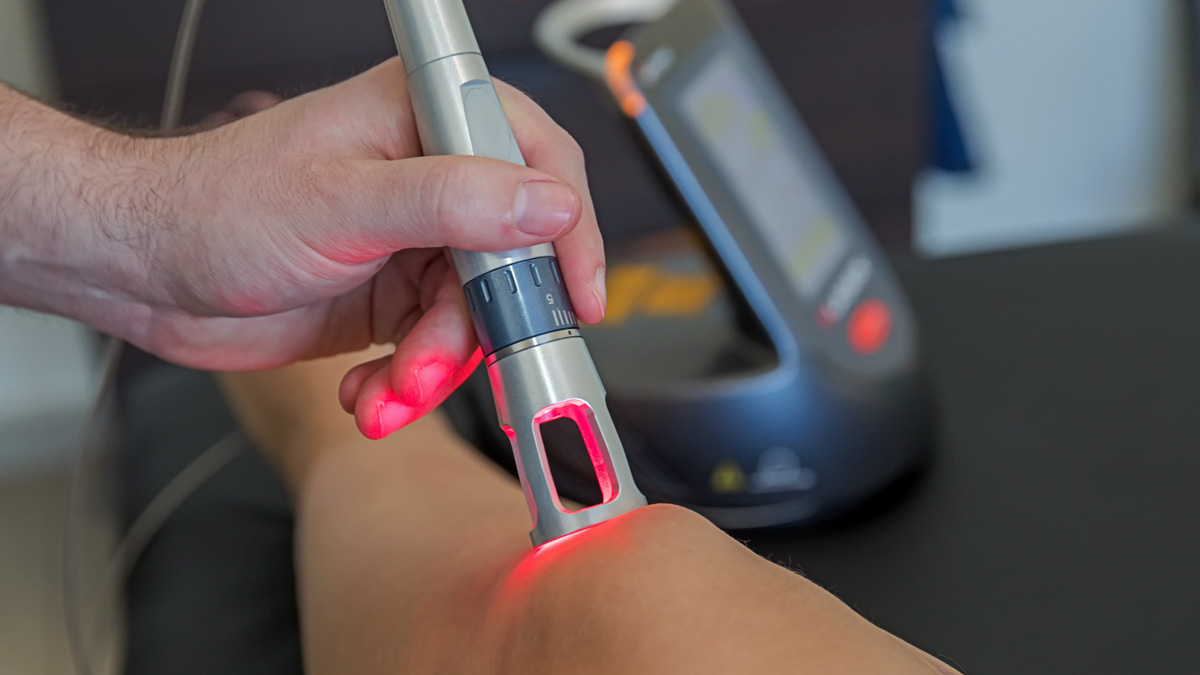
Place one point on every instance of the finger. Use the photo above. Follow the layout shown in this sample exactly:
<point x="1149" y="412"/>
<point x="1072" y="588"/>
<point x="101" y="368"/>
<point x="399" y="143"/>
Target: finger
<point x="430" y="357"/>
<point x="470" y="203"/>
<point x="431" y="360"/>
<point x="380" y="98"/>
<point x="353" y="381"/>
<point x="549" y="148"/>
<point x="378" y="411"/>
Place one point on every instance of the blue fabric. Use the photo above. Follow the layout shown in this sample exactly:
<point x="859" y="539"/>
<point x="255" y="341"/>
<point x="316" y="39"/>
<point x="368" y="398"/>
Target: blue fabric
<point x="949" y="150"/>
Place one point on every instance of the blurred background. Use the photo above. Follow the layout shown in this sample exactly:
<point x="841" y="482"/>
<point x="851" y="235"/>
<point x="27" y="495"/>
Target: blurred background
<point x="959" y="128"/>
<point x="1077" y="118"/>
<point x="46" y="375"/>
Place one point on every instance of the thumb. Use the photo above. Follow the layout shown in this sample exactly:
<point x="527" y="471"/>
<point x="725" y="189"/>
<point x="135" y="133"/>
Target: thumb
<point x="471" y="203"/>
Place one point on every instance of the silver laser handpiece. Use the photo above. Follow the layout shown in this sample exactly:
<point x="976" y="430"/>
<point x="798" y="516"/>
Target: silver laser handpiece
<point x="538" y="364"/>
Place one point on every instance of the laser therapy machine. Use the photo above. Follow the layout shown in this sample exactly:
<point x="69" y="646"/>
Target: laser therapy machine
<point x="763" y="368"/>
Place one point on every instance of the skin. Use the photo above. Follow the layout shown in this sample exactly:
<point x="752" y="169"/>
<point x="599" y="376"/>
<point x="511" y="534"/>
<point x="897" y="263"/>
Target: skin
<point x="309" y="229"/>
<point x="413" y="556"/>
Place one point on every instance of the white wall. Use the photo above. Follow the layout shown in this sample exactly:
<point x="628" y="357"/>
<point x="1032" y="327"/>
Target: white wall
<point x="1076" y="112"/>
<point x="45" y="383"/>
<point x="45" y="363"/>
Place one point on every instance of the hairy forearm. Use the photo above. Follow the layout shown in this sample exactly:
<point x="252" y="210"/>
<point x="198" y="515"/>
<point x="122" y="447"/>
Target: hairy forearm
<point x="75" y="204"/>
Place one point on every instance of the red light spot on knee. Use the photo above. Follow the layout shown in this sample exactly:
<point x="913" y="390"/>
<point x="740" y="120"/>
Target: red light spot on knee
<point x="559" y="542"/>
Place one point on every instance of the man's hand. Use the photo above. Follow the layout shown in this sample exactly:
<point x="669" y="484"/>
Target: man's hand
<point x="307" y="230"/>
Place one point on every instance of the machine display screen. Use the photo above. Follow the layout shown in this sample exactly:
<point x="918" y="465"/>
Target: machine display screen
<point x="768" y="179"/>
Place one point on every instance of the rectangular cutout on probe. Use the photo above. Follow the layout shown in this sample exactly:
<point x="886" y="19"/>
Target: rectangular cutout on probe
<point x="572" y="427"/>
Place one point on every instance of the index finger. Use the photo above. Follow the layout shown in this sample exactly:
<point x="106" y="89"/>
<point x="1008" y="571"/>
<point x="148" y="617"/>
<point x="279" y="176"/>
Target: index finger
<point x="548" y="147"/>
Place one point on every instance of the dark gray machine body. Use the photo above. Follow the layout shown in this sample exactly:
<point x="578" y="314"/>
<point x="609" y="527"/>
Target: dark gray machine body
<point x="794" y="392"/>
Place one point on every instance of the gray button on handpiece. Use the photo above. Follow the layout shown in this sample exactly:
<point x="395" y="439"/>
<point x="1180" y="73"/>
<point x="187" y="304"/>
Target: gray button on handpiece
<point x="490" y="134"/>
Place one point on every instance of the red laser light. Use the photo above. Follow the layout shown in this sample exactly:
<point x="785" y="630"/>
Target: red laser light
<point x="869" y="327"/>
<point x="554" y="543"/>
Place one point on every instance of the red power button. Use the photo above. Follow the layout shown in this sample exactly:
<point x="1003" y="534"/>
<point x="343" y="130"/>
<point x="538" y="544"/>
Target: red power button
<point x="869" y="327"/>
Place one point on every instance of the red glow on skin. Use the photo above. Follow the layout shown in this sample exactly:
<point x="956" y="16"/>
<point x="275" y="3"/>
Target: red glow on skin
<point x="387" y="412"/>
<point x="529" y="569"/>
<point x="535" y="562"/>
<point x="609" y="538"/>
<point x="557" y="542"/>
<point x="390" y="414"/>
<point x="427" y="380"/>
<point x="431" y="377"/>
<point x="581" y="415"/>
